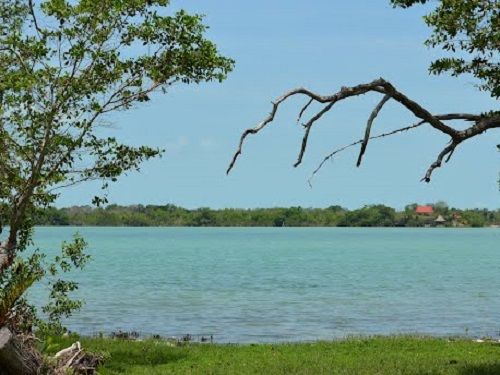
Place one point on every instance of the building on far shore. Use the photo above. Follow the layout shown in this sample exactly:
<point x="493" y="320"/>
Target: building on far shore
<point x="439" y="222"/>
<point x="424" y="210"/>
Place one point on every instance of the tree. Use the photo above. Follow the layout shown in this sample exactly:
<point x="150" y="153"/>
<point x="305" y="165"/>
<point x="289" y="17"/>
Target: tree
<point x="410" y="208"/>
<point x="469" y="30"/>
<point x="441" y="208"/>
<point x="65" y="66"/>
<point x="370" y="216"/>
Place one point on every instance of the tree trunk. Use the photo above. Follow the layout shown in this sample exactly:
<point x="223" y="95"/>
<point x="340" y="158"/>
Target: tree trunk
<point x="17" y="358"/>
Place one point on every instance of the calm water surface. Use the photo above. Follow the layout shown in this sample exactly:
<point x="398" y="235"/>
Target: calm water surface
<point x="286" y="284"/>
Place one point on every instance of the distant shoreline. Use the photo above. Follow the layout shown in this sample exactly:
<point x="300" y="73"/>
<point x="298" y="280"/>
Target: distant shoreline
<point x="256" y="226"/>
<point x="437" y="215"/>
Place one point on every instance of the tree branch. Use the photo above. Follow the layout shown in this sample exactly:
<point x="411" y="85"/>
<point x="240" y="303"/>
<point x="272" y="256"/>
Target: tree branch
<point x="372" y="117"/>
<point x="481" y="122"/>
<point x="339" y="150"/>
<point x="304" y="108"/>
<point x="35" y="22"/>
<point x="308" y="127"/>
<point x="448" y="150"/>
<point x="379" y="85"/>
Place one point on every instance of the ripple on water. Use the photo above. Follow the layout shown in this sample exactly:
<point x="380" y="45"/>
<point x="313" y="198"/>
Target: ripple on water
<point x="270" y="284"/>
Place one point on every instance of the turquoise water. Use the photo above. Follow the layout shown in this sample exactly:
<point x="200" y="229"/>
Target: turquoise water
<point x="287" y="284"/>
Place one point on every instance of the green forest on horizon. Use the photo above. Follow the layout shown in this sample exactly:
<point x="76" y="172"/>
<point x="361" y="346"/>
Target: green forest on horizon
<point x="377" y="215"/>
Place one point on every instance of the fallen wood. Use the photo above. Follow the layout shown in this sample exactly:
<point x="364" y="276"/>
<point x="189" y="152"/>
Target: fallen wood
<point x="74" y="358"/>
<point x="16" y="356"/>
<point x="75" y="346"/>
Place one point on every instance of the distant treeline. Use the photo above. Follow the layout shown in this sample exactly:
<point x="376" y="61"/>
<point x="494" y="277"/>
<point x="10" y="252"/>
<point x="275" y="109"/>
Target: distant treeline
<point x="171" y="215"/>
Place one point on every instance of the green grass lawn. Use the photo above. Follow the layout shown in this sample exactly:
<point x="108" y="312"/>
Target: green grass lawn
<point x="378" y="355"/>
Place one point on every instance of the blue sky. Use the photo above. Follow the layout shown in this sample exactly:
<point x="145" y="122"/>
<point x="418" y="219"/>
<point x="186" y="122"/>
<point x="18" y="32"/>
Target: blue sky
<point x="322" y="45"/>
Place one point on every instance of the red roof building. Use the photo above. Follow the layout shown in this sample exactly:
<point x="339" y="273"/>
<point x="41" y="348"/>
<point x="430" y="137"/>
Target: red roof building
<point x="424" y="210"/>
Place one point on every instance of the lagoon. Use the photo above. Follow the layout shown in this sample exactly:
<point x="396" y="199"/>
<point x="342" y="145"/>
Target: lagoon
<point x="285" y="284"/>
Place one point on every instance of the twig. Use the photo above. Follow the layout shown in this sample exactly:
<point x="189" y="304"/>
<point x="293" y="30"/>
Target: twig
<point x="448" y="150"/>
<point x="304" y="109"/>
<point x="308" y="127"/>
<point x="333" y="153"/>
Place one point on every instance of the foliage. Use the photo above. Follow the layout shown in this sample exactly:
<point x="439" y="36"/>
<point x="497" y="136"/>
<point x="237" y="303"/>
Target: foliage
<point x="60" y="303"/>
<point x="65" y="66"/>
<point x="22" y="316"/>
<point x="370" y="216"/>
<point x="377" y="355"/>
<point x="169" y="215"/>
<point x="470" y="31"/>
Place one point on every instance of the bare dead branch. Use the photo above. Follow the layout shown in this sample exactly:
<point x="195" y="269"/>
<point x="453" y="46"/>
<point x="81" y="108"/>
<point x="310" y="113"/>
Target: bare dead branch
<point x="308" y="127"/>
<point x="339" y="150"/>
<point x="379" y="85"/>
<point x="369" y="124"/>
<point x="459" y="116"/>
<point x="480" y="126"/>
<point x="481" y="122"/>
<point x="304" y="108"/>
<point x="417" y="109"/>
<point x="329" y="156"/>
<point x="269" y="119"/>
<point x="448" y="150"/>
<point x="450" y="155"/>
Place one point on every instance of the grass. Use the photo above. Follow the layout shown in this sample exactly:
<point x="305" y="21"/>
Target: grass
<point x="377" y="355"/>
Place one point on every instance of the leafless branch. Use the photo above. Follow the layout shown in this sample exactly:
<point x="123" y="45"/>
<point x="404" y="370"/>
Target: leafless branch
<point x="368" y="129"/>
<point x="379" y="85"/>
<point x="339" y="150"/>
<point x="459" y="116"/>
<point x="304" y="108"/>
<point x="270" y="118"/>
<point x="448" y="150"/>
<point x="481" y="122"/>
<point x="308" y="127"/>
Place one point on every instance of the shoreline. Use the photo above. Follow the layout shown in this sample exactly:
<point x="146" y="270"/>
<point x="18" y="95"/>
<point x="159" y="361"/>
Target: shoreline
<point x="257" y="227"/>
<point x="212" y="339"/>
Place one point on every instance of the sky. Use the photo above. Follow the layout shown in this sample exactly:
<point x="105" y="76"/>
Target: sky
<point x="322" y="45"/>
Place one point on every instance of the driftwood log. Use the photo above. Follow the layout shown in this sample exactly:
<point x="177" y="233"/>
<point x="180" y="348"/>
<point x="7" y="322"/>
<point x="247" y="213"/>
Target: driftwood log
<point x="15" y="357"/>
<point x="20" y="357"/>
<point x="77" y="360"/>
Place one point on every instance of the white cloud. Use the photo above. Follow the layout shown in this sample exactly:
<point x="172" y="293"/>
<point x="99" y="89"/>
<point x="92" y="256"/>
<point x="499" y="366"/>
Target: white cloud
<point x="174" y="147"/>
<point x="208" y="143"/>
